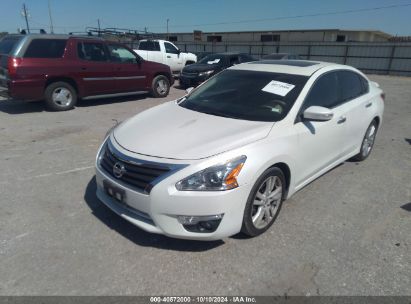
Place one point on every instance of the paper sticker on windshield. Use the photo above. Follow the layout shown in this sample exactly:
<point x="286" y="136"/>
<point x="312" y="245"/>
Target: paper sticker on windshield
<point x="278" y="88"/>
<point x="214" y="61"/>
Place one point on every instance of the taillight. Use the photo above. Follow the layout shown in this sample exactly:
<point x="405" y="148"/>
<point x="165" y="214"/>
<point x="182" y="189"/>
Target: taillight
<point x="12" y="65"/>
<point x="383" y="96"/>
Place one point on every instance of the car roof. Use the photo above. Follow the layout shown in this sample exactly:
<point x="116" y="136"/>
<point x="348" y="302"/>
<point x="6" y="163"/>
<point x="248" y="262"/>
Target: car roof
<point x="296" y="67"/>
<point x="53" y="36"/>
<point x="228" y="54"/>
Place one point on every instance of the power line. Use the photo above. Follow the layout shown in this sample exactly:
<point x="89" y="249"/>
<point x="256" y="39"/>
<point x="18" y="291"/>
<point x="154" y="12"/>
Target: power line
<point x="295" y="16"/>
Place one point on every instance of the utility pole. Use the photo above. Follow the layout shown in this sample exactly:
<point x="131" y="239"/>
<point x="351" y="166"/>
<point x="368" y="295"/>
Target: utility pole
<point x="25" y="15"/>
<point x="167" y="27"/>
<point x="98" y="22"/>
<point x="51" y="19"/>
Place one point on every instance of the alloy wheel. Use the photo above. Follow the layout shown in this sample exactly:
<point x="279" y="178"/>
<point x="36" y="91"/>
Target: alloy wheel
<point x="62" y="96"/>
<point x="266" y="202"/>
<point x="161" y="87"/>
<point x="369" y="139"/>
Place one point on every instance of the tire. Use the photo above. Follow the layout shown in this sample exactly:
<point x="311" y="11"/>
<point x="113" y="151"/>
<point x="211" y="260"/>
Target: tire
<point x="160" y="86"/>
<point x="60" y="96"/>
<point x="368" y="142"/>
<point x="267" y="209"/>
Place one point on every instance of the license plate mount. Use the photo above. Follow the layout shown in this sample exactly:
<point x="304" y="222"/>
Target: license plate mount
<point x="115" y="192"/>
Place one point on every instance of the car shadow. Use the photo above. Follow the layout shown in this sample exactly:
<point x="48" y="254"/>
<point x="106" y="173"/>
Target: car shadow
<point x="135" y="234"/>
<point x="21" y="107"/>
<point x="104" y="101"/>
<point x="178" y="86"/>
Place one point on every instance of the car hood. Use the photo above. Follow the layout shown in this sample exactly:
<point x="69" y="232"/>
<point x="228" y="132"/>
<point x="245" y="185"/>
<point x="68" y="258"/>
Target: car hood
<point x="200" y="67"/>
<point x="171" y="131"/>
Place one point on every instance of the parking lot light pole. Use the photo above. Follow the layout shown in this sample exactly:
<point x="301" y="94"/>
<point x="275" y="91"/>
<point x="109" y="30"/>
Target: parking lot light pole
<point x="167" y="27"/>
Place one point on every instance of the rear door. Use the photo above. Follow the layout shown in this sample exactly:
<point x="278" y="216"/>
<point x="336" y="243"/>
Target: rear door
<point x="95" y="69"/>
<point x="150" y="50"/>
<point x="357" y="104"/>
<point x="129" y="73"/>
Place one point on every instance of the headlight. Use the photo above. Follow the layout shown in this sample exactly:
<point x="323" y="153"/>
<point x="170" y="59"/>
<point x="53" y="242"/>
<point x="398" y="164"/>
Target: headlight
<point x="215" y="178"/>
<point x="208" y="73"/>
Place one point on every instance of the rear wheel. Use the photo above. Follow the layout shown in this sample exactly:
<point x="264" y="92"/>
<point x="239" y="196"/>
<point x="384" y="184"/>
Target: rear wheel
<point x="367" y="142"/>
<point x="60" y="96"/>
<point x="160" y="86"/>
<point x="264" y="202"/>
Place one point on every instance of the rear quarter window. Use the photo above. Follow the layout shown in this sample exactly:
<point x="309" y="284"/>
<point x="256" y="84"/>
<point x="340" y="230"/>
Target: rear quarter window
<point x="350" y="84"/>
<point x="46" y="48"/>
<point x="8" y="43"/>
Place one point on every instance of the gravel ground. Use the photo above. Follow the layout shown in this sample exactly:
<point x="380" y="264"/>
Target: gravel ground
<point x="347" y="233"/>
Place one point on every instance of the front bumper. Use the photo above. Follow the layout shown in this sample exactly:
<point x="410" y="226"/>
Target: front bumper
<point x="157" y="211"/>
<point x="192" y="81"/>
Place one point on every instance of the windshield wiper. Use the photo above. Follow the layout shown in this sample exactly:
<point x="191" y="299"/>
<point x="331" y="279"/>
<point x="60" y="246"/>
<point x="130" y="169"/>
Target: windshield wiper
<point x="216" y="113"/>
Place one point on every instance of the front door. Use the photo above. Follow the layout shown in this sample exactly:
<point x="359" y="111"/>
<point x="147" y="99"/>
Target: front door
<point x="129" y="72"/>
<point x="173" y="57"/>
<point x="320" y="142"/>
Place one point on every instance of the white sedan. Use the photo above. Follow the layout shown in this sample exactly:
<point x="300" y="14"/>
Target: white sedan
<point x="223" y="158"/>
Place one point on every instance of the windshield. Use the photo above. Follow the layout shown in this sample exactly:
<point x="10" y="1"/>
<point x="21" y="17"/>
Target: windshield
<point x="7" y="44"/>
<point x="247" y="95"/>
<point x="212" y="59"/>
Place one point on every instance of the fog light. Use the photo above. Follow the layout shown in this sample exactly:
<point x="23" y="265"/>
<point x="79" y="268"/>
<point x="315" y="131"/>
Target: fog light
<point x="202" y="224"/>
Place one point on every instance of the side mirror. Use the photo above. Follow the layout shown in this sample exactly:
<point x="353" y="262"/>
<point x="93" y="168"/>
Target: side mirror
<point x="317" y="113"/>
<point x="188" y="90"/>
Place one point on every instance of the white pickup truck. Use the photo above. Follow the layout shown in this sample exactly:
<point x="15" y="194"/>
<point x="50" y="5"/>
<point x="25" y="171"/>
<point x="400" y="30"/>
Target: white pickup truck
<point x="163" y="51"/>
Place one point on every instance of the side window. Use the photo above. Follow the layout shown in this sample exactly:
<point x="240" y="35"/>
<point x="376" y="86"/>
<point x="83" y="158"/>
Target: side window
<point x="365" y="84"/>
<point x="351" y="85"/>
<point x="120" y="54"/>
<point x="144" y="46"/>
<point x="234" y="60"/>
<point x="46" y="48"/>
<point x="156" y="46"/>
<point x="324" y="92"/>
<point x="245" y="58"/>
<point x="91" y="51"/>
<point x="170" y="48"/>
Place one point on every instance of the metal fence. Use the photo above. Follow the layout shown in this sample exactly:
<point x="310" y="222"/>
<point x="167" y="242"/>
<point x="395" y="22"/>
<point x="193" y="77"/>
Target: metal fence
<point x="392" y="58"/>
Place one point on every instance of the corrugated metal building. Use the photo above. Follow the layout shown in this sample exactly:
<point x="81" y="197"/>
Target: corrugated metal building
<point x="320" y="35"/>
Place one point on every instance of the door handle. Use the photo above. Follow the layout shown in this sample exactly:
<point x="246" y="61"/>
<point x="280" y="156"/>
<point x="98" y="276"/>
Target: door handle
<point x="342" y="120"/>
<point x="83" y="68"/>
<point x="168" y="56"/>
<point x="368" y="105"/>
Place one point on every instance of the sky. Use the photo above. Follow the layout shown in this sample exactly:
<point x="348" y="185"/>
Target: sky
<point x="208" y="15"/>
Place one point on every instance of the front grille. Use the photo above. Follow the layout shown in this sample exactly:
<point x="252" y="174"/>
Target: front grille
<point x="190" y="74"/>
<point x="140" y="175"/>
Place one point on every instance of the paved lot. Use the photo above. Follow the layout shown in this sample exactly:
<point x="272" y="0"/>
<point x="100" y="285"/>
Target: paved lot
<point x="347" y="233"/>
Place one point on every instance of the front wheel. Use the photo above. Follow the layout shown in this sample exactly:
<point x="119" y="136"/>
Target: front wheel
<point x="160" y="86"/>
<point x="368" y="142"/>
<point x="264" y="202"/>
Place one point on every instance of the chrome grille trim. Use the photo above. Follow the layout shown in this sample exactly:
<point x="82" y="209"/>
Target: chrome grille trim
<point x="141" y="175"/>
<point x="189" y="74"/>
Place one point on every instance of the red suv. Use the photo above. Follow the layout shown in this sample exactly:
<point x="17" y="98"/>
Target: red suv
<point x="62" y="69"/>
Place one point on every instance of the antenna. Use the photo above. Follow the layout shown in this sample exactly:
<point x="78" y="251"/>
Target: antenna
<point x="26" y="15"/>
<point x="51" y="19"/>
